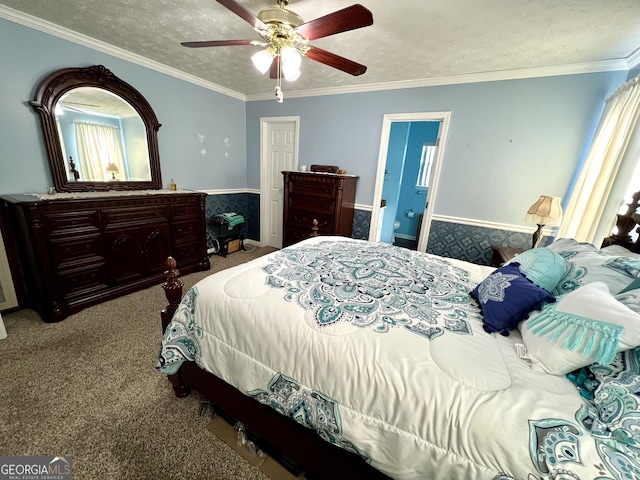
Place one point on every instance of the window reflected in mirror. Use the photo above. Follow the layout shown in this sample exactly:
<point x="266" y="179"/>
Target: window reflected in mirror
<point x="102" y="137"/>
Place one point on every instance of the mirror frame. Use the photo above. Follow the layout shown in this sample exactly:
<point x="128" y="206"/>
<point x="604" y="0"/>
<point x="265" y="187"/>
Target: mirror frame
<point x="62" y="81"/>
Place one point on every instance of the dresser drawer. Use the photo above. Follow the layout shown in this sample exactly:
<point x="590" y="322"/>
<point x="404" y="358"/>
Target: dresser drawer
<point x="63" y="223"/>
<point x="67" y="250"/>
<point x="131" y="216"/>
<point x="186" y="253"/>
<point x="185" y="231"/>
<point x="185" y="211"/>
<point x="309" y="188"/>
<point x="81" y="281"/>
<point x="304" y="220"/>
<point x="295" y="234"/>
<point x="309" y="204"/>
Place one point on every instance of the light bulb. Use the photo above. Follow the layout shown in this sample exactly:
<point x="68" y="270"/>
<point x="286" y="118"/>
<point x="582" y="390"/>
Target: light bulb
<point x="262" y="60"/>
<point x="291" y="61"/>
<point x="290" y="76"/>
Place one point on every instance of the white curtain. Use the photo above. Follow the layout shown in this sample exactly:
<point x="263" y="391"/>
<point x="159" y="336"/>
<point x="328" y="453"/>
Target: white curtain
<point x="605" y="175"/>
<point x="99" y="145"/>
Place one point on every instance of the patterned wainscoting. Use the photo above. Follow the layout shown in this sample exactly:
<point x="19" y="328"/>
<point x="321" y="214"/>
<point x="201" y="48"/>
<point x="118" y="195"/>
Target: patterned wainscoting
<point x="471" y="242"/>
<point x="447" y="239"/>
<point x="245" y="204"/>
<point x="361" y="224"/>
<point x="455" y="240"/>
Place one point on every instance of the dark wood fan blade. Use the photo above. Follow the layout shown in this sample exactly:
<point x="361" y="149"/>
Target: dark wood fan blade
<point x="217" y="43"/>
<point x="350" y="18"/>
<point x="243" y="13"/>
<point x="275" y="65"/>
<point x="336" y="61"/>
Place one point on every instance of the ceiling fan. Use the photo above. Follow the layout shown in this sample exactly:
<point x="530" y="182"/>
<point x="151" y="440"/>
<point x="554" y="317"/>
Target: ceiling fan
<point x="286" y="37"/>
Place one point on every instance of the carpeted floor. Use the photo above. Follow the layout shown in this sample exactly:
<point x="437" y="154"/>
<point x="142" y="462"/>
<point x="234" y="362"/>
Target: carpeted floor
<point x="87" y="387"/>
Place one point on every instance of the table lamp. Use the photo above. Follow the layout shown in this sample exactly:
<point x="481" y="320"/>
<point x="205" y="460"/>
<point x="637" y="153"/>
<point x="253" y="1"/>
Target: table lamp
<point x="112" y="168"/>
<point x="546" y="211"/>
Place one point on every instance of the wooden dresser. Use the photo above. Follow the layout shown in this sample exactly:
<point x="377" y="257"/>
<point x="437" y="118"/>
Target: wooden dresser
<point x="77" y="252"/>
<point x="326" y="197"/>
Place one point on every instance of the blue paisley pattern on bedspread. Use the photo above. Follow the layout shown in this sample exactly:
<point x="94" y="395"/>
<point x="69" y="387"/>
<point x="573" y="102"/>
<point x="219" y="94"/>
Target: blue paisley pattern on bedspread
<point x="310" y="408"/>
<point x="181" y="341"/>
<point x="375" y="285"/>
<point x="611" y="420"/>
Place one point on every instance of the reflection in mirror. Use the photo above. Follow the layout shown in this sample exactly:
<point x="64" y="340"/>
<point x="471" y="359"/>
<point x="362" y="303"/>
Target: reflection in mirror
<point x="103" y="137"/>
<point x="100" y="133"/>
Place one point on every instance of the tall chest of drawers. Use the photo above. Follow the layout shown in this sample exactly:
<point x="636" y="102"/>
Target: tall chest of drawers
<point x="82" y="251"/>
<point x="326" y="197"/>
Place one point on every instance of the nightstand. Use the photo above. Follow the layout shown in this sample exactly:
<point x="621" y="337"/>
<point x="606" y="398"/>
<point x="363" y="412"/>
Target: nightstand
<point x="502" y="254"/>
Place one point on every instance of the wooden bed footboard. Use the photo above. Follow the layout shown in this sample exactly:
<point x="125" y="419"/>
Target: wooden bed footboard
<point x="292" y="444"/>
<point x="173" y="291"/>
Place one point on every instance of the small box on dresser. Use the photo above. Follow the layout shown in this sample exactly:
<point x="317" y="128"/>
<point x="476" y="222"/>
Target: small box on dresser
<point x="326" y="197"/>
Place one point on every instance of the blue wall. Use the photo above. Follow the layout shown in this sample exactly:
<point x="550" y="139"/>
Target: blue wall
<point x="509" y="141"/>
<point x="410" y="198"/>
<point x="27" y="56"/>
<point x="393" y="177"/>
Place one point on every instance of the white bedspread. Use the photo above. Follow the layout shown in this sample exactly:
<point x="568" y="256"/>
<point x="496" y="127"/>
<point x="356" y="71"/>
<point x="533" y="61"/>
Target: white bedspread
<point x="449" y="401"/>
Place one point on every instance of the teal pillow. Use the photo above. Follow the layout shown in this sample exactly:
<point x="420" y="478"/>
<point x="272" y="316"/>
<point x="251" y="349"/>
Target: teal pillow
<point x="542" y="266"/>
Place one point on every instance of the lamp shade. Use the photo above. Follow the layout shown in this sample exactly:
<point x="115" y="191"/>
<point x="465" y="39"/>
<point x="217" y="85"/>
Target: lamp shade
<point x="546" y="211"/>
<point x="291" y="62"/>
<point x="112" y="168"/>
<point x="262" y="60"/>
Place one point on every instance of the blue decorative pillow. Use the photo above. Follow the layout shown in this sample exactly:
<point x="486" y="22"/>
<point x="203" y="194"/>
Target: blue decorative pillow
<point x="542" y="266"/>
<point x="507" y="297"/>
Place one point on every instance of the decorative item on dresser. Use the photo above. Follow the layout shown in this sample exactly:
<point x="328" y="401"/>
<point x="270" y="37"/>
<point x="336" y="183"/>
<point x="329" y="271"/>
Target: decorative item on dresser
<point x="80" y="249"/>
<point x="326" y="197"/>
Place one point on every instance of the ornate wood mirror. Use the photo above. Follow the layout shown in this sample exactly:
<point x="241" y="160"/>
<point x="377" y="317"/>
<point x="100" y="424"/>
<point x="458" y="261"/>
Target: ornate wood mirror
<point x="100" y="133"/>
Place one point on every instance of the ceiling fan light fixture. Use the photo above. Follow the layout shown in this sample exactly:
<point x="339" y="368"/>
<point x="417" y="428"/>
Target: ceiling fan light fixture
<point x="291" y="61"/>
<point x="262" y="60"/>
<point x="291" y="76"/>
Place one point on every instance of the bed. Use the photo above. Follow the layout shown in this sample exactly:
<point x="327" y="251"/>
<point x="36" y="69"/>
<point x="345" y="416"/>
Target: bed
<point x="353" y="359"/>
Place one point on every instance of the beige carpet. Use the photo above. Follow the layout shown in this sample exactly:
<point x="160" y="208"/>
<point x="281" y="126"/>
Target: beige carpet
<point x="87" y="387"/>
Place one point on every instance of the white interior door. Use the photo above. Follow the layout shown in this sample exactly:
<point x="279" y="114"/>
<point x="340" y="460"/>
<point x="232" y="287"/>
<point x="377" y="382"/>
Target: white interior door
<point x="278" y="152"/>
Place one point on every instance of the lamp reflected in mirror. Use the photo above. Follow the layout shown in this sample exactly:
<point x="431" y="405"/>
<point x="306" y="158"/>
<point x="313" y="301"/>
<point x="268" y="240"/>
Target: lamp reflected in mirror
<point x="546" y="211"/>
<point x="112" y="169"/>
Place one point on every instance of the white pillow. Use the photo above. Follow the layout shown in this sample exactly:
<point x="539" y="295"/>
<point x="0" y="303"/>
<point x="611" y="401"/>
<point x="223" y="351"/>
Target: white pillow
<point x="583" y="327"/>
<point x="631" y="299"/>
<point x="586" y="264"/>
<point x="619" y="250"/>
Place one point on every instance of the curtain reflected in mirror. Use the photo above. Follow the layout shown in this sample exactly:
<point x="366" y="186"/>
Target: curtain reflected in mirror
<point x="103" y="137"/>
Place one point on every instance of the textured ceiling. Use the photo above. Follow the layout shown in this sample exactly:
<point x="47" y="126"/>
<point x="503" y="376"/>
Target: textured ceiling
<point x="411" y="40"/>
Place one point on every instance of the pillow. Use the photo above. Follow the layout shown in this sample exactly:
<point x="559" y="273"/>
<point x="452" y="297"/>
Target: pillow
<point x="635" y="283"/>
<point x="619" y="250"/>
<point x="583" y="327"/>
<point x="630" y="298"/>
<point x="542" y="266"/>
<point x="507" y="297"/>
<point x="586" y="264"/>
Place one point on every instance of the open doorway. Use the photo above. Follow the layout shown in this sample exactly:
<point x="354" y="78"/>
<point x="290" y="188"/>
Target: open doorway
<point x="409" y="143"/>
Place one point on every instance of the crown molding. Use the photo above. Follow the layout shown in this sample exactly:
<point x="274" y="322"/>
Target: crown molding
<point x="633" y="60"/>
<point x="86" y="41"/>
<point x="517" y="74"/>
<point x="534" y="72"/>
